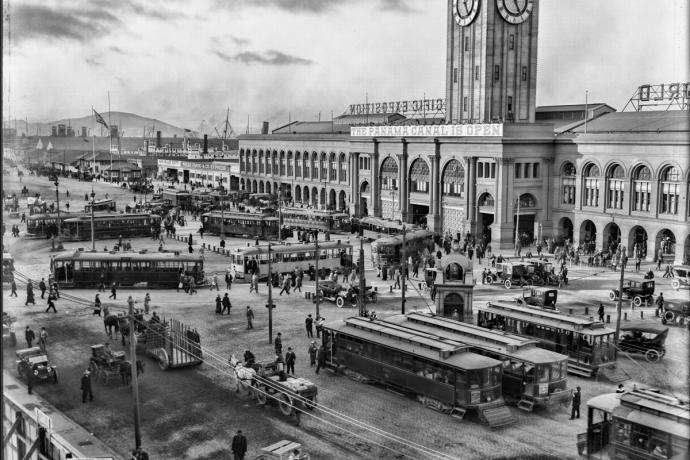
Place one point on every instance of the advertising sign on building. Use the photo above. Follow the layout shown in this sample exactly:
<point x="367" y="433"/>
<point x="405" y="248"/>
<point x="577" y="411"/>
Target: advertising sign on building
<point x="474" y="130"/>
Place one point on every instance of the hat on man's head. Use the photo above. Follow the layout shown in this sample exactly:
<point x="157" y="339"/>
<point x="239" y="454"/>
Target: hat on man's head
<point x="87" y="372"/>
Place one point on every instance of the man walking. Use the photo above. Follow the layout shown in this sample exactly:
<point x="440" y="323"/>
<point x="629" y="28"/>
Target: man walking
<point x="42" y="286"/>
<point x="278" y="343"/>
<point x="51" y="303"/>
<point x="298" y="283"/>
<point x="228" y="280"/>
<point x="29" y="294"/>
<point x="113" y="292"/>
<point x="250" y="317"/>
<point x="86" y="387"/>
<point x="286" y="286"/>
<point x="309" y="323"/>
<point x="43" y="339"/>
<point x="601" y="312"/>
<point x="13" y="287"/>
<point x="576" y="404"/>
<point x="219" y="305"/>
<point x="29" y="336"/>
<point x="320" y="358"/>
<point x="226" y="304"/>
<point x="290" y="358"/>
<point x="312" y="353"/>
<point x="239" y="445"/>
<point x="659" y="304"/>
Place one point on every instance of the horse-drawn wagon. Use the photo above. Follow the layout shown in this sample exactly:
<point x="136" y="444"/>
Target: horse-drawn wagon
<point x="105" y="365"/>
<point x="171" y="343"/>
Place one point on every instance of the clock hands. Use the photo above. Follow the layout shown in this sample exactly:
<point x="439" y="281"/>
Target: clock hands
<point x="467" y="8"/>
<point x="517" y="7"/>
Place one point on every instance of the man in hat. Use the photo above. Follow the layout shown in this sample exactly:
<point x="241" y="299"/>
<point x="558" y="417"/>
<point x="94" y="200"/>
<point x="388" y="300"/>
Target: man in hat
<point x="86" y="386"/>
<point x="312" y="353"/>
<point x="239" y="445"/>
<point x="250" y="317"/>
<point x="29" y="336"/>
<point x="576" y="404"/>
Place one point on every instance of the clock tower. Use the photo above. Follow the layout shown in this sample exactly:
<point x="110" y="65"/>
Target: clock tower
<point x="491" y="64"/>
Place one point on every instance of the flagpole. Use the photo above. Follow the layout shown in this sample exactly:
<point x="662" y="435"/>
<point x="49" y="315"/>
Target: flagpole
<point x="110" y="136"/>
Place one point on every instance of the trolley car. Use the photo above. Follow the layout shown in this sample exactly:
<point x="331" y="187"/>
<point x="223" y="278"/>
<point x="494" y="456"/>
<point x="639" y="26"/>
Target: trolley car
<point x="314" y="219"/>
<point x="157" y="269"/>
<point x="444" y="374"/>
<point x="285" y="258"/>
<point x="241" y="224"/>
<point x="638" y="425"/>
<point x="101" y="205"/>
<point x="531" y="376"/>
<point x="46" y="225"/>
<point x="110" y="226"/>
<point x="388" y="250"/>
<point x="588" y="343"/>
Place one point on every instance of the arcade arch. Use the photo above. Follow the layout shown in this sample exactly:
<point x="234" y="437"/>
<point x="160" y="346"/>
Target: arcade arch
<point x="453" y="179"/>
<point x="298" y="193"/>
<point x="565" y="230"/>
<point x="420" y="176"/>
<point x="452" y="302"/>
<point x="665" y="245"/>
<point x="637" y="242"/>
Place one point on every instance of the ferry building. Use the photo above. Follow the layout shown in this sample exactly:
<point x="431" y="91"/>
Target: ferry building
<point x="462" y="163"/>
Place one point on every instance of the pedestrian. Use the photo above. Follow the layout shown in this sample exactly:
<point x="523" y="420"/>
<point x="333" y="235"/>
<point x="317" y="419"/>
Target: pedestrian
<point x="601" y="312"/>
<point x="290" y="358"/>
<point x="147" y="303"/>
<point x="659" y="261"/>
<point x="13" y="287"/>
<point x="42" y="287"/>
<point x="396" y="285"/>
<point x="29" y="336"/>
<point x="239" y="445"/>
<point x="219" y="307"/>
<point x="255" y="282"/>
<point x="101" y="282"/>
<point x="43" y="338"/>
<point x="250" y="317"/>
<point x="576" y="404"/>
<point x="280" y="367"/>
<point x="226" y="304"/>
<point x="249" y="358"/>
<point x="309" y="323"/>
<point x="228" y="280"/>
<point x="278" y="343"/>
<point x="97" y="305"/>
<point x="319" y="325"/>
<point x="320" y="358"/>
<point x="113" y="292"/>
<point x="29" y="294"/>
<point x="659" y="303"/>
<point x="86" y="387"/>
<point x="192" y="285"/>
<point x="286" y="286"/>
<point x="51" y="303"/>
<point x="298" y="283"/>
<point x="638" y="262"/>
<point x="456" y="315"/>
<point x="130" y="303"/>
<point x="312" y="353"/>
<point x="56" y="290"/>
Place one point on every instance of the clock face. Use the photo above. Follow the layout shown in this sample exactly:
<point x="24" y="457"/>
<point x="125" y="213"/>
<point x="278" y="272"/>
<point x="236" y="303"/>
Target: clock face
<point x="515" y="11"/>
<point x="465" y="11"/>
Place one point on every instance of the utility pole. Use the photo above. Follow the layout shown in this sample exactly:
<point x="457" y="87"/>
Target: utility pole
<point x="403" y="268"/>
<point x="59" y="223"/>
<point x="620" y="301"/>
<point x="93" y="239"/>
<point x="135" y="384"/>
<point x="517" y="226"/>
<point x="362" y="281"/>
<point x="222" y="208"/>
<point x="270" y="298"/>
<point x="316" y="250"/>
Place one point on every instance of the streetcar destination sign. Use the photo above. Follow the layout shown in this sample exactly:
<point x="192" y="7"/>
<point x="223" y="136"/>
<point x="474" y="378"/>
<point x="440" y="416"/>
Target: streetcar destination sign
<point x="475" y="130"/>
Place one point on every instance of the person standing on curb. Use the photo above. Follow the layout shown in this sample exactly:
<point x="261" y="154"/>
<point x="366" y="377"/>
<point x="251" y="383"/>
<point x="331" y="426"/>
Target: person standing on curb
<point x="312" y="353"/>
<point x="239" y="445"/>
<point x="309" y="322"/>
<point x="576" y="404"/>
<point x="86" y="387"/>
<point x="29" y="336"/>
<point x="250" y="318"/>
<point x="42" y="286"/>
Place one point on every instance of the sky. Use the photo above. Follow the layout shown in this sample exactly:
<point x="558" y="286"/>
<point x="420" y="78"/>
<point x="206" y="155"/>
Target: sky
<point x="185" y="62"/>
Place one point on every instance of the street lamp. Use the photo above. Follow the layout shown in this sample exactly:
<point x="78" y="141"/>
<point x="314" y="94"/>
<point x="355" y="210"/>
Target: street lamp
<point x="403" y="268"/>
<point x="93" y="239"/>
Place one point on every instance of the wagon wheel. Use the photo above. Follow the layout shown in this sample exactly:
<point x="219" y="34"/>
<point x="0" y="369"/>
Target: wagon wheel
<point x="637" y="301"/>
<point x="162" y="358"/>
<point x="675" y="284"/>
<point x="310" y="403"/>
<point x="508" y="284"/>
<point x="652" y="356"/>
<point x="339" y="302"/>
<point x="285" y="404"/>
<point x="612" y="295"/>
<point x="261" y="395"/>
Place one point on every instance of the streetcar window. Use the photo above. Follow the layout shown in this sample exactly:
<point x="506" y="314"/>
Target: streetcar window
<point x="640" y="437"/>
<point x="679" y="447"/>
<point x="659" y="444"/>
<point x="474" y="379"/>
<point x="543" y="373"/>
<point x="555" y="371"/>
<point x="622" y="433"/>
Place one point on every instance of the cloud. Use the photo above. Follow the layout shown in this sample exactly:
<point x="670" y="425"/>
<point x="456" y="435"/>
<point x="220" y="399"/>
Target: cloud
<point x="116" y="49"/>
<point x="93" y="61"/>
<point x="239" y="41"/>
<point x="270" y="57"/>
<point x="313" y="6"/>
<point x="38" y="22"/>
<point x="401" y="6"/>
<point x="140" y="9"/>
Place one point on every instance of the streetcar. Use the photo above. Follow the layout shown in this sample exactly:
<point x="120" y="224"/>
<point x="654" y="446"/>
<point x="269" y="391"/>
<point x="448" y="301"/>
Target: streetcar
<point x="110" y="226"/>
<point x="241" y="224"/>
<point x="101" y="205"/>
<point x="443" y="374"/>
<point x="532" y="376"/>
<point x="380" y="225"/>
<point x="314" y="219"/>
<point x="641" y="424"/>
<point x="286" y="258"/>
<point x="177" y="197"/>
<point x="588" y="343"/>
<point x="388" y="250"/>
<point x="80" y="269"/>
<point x="45" y="225"/>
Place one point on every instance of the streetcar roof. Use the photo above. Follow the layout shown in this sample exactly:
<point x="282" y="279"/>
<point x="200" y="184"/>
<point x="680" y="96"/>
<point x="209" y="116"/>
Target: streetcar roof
<point x="639" y="406"/>
<point x="311" y="211"/>
<point x="606" y="402"/>
<point x="111" y="216"/>
<point x="656" y="422"/>
<point x="289" y="248"/>
<point x="239" y="215"/>
<point x="546" y="318"/>
<point x="397" y="239"/>
<point x="137" y="256"/>
<point x="379" y="222"/>
<point x="420" y="344"/>
<point x="509" y="345"/>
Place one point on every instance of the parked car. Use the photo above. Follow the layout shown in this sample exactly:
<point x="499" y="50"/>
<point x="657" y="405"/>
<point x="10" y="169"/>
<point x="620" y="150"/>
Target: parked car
<point x="539" y="297"/>
<point x="638" y="291"/>
<point x="509" y="273"/>
<point x="681" y="276"/>
<point x="646" y="339"/>
<point x="676" y="314"/>
<point x="33" y="363"/>
<point x="331" y="291"/>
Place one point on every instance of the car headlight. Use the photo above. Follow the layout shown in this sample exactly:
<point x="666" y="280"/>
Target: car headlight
<point x="36" y="372"/>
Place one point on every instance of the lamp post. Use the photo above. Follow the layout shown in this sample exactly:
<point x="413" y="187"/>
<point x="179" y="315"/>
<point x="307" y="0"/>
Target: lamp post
<point x="517" y="226"/>
<point x="222" y="207"/>
<point x="362" y="282"/>
<point x="57" y="197"/>
<point x="93" y="239"/>
<point x="316" y="250"/>
<point x="270" y="298"/>
<point x="403" y="268"/>
<point x="135" y="385"/>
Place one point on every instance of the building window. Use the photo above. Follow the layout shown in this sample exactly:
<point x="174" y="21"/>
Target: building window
<point x="261" y="163"/>
<point x="524" y="73"/>
<point x="527" y="201"/>
<point x="314" y="167"/>
<point x="298" y="165"/>
<point x="467" y="43"/>
<point x="616" y="187"/>
<point x="324" y="167"/>
<point x="670" y="191"/>
<point x="568" y="183"/>
<point x="420" y="177"/>
<point x="592" y="179"/>
<point x="518" y="170"/>
<point x="480" y="169"/>
<point x="464" y="104"/>
<point x="535" y="170"/>
<point x="642" y="189"/>
<point x="455" y="75"/>
<point x="334" y="168"/>
<point x="511" y="42"/>
<point x="282" y="164"/>
<point x="389" y="174"/>
<point x="343" y="168"/>
<point x="493" y="170"/>
<point x="497" y="72"/>
<point x="510" y="103"/>
<point x="476" y="72"/>
<point x="454" y="179"/>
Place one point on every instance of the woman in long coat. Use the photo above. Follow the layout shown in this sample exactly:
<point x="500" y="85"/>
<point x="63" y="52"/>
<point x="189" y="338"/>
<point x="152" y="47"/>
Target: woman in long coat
<point x="30" y="294"/>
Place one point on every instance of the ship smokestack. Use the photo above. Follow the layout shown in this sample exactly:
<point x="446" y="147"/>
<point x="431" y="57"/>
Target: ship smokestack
<point x="158" y="139"/>
<point x="205" y="143"/>
<point x="264" y="128"/>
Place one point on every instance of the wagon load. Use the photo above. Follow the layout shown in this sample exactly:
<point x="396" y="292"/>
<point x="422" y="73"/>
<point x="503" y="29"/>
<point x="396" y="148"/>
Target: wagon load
<point x="172" y="343"/>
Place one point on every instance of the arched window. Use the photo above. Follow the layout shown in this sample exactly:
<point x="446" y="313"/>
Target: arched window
<point x="454" y="179"/>
<point x="670" y="190"/>
<point x="343" y="168"/>
<point x="333" y="169"/>
<point x="527" y="201"/>
<point x="454" y="272"/>
<point x="242" y="159"/>
<point x="298" y="164"/>
<point x="592" y="178"/>
<point x="314" y="166"/>
<point x="419" y="176"/>
<point x="568" y="184"/>
<point x="389" y="174"/>
<point x="274" y="161"/>
<point x="616" y="187"/>
<point x="486" y="200"/>
<point x="261" y="161"/>
<point x="323" y="167"/>
<point x="642" y="187"/>
<point x="282" y="163"/>
<point x="254" y="164"/>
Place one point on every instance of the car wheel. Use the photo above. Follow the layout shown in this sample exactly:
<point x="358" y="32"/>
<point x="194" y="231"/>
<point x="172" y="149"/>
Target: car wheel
<point x="508" y="284"/>
<point x="339" y="302"/>
<point x="675" y="284"/>
<point x="669" y="316"/>
<point x="637" y="301"/>
<point x="652" y="356"/>
<point x="285" y="404"/>
<point x="612" y="295"/>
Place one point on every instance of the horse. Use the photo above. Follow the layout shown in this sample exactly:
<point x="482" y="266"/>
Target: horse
<point x="243" y="375"/>
<point x="110" y="322"/>
<point x="126" y="370"/>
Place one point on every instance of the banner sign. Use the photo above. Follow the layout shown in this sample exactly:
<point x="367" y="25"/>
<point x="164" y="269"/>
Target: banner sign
<point x="401" y="107"/>
<point x="476" y="130"/>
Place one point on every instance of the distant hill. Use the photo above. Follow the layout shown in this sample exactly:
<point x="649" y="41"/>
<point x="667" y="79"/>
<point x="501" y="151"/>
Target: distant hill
<point x="129" y="124"/>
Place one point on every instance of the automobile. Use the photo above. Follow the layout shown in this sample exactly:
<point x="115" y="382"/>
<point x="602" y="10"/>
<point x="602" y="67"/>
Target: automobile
<point x="538" y="297"/>
<point x="676" y="314"/>
<point x="33" y="363"/>
<point x="638" y="291"/>
<point x="351" y="296"/>
<point x="331" y="291"/>
<point x="543" y="272"/>
<point x="681" y="276"/>
<point x="646" y="339"/>
<point x="509" y="273"/>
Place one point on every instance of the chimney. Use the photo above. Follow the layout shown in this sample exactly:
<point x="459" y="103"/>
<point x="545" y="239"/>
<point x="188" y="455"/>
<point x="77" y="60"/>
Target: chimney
<point x="146" y="146"/>
<point x="158" y="139"/>
<point x="264" y="128"/>
<point x="205" y="144"/>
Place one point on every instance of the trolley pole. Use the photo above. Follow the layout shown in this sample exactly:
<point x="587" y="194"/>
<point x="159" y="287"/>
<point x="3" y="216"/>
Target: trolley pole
<point x="270" y="298"/>
<point x="619" y="306"/>
<point x="316" y="248"/>
<point x="135" y="384"/>
<point x="403" y="268"/>
<point x="362" y="281"/>
<point x="93" y="239"/>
